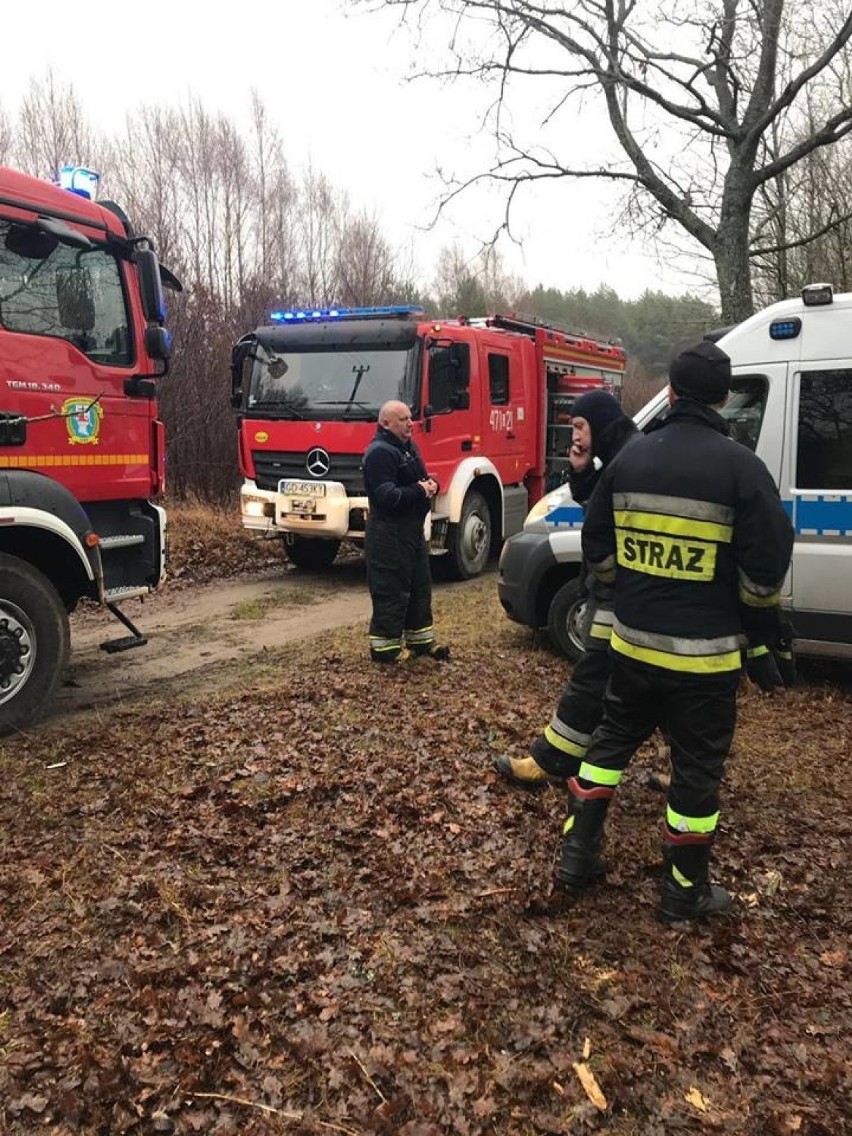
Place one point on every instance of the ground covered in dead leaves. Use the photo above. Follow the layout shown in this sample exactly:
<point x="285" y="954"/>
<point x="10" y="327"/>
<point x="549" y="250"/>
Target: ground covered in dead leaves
<point x="309" y="906"/>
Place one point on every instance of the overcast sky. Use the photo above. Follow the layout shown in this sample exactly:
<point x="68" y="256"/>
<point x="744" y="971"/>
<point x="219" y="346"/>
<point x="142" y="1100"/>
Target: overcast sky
<point x="336" y="85"/>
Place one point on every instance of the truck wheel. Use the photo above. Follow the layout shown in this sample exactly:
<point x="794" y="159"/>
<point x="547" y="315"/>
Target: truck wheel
<point x="34" y="641"/>
<point x="305" y="552"/>
<point x="564" y="619"/>
<point x="469" y="541"/>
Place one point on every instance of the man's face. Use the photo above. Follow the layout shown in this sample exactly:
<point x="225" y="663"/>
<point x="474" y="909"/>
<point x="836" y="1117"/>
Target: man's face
<point x="399" y="423"/>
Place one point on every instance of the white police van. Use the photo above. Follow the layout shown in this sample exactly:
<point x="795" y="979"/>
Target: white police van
<point x="791" y="403"/>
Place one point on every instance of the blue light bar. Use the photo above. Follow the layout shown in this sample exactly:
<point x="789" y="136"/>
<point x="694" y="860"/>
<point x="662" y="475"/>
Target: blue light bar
<point x="785" y="329"/>
<point x="78" y="180"/>
<point x="309" y="315"/>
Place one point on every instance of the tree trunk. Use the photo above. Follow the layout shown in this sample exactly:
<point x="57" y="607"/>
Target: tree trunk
<point x="733" y="265"/>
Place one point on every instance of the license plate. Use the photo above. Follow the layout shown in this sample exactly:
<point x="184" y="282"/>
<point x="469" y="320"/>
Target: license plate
<point x="301" y="488"/>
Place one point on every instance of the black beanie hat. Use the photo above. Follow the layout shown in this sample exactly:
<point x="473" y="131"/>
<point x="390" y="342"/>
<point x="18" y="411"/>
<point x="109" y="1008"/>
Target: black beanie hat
<point x="701" y="371"/>
<point x="599" y="409"/>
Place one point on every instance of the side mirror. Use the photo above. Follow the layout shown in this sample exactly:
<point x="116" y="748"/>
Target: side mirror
<point x="158" y="342"/>
<point x="75" y="299"/>
<point x="239" y="356"/>
<point x="151" y="286"/>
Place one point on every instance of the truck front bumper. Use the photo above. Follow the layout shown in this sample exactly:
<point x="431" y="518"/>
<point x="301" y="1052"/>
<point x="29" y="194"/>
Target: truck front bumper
<point x="312" y="509"/>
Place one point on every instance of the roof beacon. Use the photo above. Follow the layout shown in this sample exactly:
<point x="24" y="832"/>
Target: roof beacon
<point x="314" y="315"/>
<point x="813" y="295"/>
<point x="78" y="180"/>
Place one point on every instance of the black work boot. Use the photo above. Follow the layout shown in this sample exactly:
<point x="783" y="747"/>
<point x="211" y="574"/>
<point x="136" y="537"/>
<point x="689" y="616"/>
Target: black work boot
<point x="686" y="891"/>
<point x="580" y="863"/>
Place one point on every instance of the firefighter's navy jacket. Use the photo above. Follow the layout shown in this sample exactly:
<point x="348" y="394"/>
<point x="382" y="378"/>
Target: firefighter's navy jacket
<point x="392" y="469"/>
<point x="690" y="527"/>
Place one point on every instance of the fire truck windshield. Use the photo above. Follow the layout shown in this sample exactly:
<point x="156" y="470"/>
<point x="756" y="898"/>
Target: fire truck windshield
<point x="331" y="382"/>
<point x="49" y="288"/>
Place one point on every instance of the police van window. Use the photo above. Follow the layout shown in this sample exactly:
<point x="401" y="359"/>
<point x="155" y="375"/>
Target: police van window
<point x="498" y="379"/>
<point x="745" y="408"/>
<point x="824" y="443"/>
<point x="51" y="289"/>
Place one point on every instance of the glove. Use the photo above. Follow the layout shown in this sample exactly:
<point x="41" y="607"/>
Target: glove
<point x="785" y="661"/>
<point x="762" y="669"/>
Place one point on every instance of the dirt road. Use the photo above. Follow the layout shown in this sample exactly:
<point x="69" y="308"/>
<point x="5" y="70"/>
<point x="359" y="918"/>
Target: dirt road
<point x="192" y="631"/>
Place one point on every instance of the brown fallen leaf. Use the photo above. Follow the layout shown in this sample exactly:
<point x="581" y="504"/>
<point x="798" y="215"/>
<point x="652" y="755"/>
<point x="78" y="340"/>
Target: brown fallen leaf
<point x="590" y="1085"/>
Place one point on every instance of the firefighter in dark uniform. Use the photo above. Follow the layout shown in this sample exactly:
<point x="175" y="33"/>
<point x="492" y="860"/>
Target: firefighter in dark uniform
<point x="400" y="493"/>
<point x="690" y="529"/>
<point x="601" y="428"/>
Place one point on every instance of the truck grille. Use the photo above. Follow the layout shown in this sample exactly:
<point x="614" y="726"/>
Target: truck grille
<point x="270" y="467"/>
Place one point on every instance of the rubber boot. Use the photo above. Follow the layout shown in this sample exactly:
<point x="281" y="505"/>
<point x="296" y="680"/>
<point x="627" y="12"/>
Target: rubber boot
<point x="526" y="772"/>
<point x="686" y="891"/>
<point x="580" y="863"/>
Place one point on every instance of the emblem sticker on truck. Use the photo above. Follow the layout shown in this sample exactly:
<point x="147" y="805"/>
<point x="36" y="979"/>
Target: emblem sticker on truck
<point x="83" y="420"/>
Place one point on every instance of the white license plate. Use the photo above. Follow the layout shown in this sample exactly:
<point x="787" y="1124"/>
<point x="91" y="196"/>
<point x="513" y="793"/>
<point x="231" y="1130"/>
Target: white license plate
<point x="301" y="488"/>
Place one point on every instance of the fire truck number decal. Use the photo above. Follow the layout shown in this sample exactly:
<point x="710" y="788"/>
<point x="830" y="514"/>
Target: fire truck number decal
<point x="20" y="385"/>
<point x="501" y="419"/>
<point x="83" y="419"/>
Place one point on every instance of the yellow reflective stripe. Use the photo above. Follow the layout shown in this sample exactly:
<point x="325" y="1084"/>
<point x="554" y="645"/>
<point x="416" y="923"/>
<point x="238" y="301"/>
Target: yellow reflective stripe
<point x="379" y="644"/>
<point x="666" y="556"/>
<point x="677" y="822"/>
<point x="681" y="878"/>
<point x="771" y="599"/>
<point x="600" y="630"/>
<point x="688" y="527"/>
<point x="563" y="744"/>
<point x="788" y="655"/>
<point x="756" y="652"/>
<point x="568" y="825"/>
<point x="668" y="660"/>
<point x="34" y="461"/>
<point x="598" y="775"/>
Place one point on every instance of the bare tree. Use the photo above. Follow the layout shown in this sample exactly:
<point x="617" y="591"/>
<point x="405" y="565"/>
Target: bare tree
<point x="691" y="90"/>
<point x="52" y="130"/>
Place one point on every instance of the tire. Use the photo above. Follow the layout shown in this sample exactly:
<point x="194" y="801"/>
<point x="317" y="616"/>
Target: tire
<point x="34" y="642"/>
<point x="564" y="618"/>
<point x="469" y="541"/>
<point x="310" y="553"/>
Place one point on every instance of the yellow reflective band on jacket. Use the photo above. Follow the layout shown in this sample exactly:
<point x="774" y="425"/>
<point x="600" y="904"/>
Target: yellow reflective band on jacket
<point x="601" y="631"/>
<point x="565" y="745"/>
<point x="673" y="661"/>
<point x="677" y="822"/>
<point x="690" y="528"/>
<point x="673" y="558"/>
<point x="600" y="776"/>
<point x="757" y="595"/>
<point x="756" y="652"/>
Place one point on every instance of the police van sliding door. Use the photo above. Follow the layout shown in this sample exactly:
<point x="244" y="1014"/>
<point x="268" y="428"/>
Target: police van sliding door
<point x="820" y="479"/>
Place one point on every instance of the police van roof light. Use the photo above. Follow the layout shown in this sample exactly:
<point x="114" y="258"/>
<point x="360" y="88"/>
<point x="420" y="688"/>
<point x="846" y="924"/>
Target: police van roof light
<point x="814" y="295"/>
<point x="77" y="179"/>
<point x="308" y="315"/>
<point x="785" y="329"/>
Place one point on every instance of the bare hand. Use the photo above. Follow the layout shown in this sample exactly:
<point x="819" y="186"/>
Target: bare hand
<point x="429" y="487"/>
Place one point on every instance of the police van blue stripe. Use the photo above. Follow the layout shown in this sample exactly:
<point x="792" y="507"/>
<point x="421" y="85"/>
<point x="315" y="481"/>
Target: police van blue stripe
<point x="828" y="513"/>
<point x="569" y="515"/>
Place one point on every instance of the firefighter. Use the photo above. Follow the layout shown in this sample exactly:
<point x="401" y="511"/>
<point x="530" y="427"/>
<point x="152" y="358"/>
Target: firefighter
<point x="600" y="430"/>
<point x="400" y="493"/>
<point x="691" y="531"/>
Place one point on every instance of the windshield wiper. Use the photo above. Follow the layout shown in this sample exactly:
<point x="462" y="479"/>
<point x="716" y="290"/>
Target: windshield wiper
<point x="366" y="412"/>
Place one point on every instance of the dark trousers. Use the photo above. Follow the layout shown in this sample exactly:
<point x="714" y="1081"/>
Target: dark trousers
<point x="400" y="586"/>
<point x="697" y="713"/>
<point x="561" y="748"/>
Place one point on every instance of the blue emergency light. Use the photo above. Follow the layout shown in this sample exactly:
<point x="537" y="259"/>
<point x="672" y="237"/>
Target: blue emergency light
<point x="77" y="179"/>
<point x="785" y="329"/>
<point x="307" y="315"/>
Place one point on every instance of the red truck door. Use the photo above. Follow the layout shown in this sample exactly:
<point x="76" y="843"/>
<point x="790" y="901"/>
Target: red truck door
<point x="507" y="421"/>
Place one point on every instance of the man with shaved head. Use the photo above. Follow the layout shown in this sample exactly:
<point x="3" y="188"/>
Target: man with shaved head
<point x="400" y="493"/>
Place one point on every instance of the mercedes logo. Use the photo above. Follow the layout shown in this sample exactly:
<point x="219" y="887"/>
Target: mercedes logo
<point x="318" y="463"/>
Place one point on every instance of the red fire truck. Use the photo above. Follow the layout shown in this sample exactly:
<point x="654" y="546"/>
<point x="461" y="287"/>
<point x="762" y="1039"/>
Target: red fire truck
<point x="82" y="344"/>
<point x="491" y="400"/>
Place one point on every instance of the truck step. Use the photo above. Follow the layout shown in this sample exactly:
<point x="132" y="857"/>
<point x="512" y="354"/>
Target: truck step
<point x="121" y="540"/>
<point x="118" y="595"/>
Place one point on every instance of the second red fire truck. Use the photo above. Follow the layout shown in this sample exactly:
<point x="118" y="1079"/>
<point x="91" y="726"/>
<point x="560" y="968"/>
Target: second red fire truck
<point x="491" y="401"/>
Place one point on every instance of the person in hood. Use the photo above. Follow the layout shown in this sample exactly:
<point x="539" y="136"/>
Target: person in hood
<point x="600" y="430"/>
<point x="400" y="493"/>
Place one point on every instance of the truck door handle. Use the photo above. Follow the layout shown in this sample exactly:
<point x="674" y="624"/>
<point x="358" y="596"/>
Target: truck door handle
<point x="467" y="444"/>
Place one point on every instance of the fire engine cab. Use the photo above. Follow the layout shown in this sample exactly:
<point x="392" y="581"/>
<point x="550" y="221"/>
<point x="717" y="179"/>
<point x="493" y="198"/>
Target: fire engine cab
<point x="490" y="398"/>
<point x="82" y="344"/>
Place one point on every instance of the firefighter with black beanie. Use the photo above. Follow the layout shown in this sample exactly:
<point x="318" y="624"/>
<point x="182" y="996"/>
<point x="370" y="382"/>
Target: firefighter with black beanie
<point x="690" y="530"/>
<point x="400" y="493"/>
<point x="601" y="429"/>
